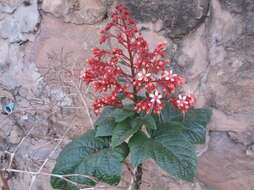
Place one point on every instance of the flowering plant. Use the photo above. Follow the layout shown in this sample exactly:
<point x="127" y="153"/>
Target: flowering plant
<point x="142" y="114"/>
<point x="144" y="77"/>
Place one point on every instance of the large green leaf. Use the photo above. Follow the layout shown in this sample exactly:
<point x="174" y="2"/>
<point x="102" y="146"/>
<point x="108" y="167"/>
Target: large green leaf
<point x="106" y="129"/>
<point x="108" y="120"/>
<point x="89" y="156"/>
<point x="122" y="114"/>
<point x="170" y="150"/>
<point x="105" y="123"/>
<point x="169" y="113"/>
<point x="124" y="130"/>
<point x="149" y="121"/>
<point x="194" y="122"/>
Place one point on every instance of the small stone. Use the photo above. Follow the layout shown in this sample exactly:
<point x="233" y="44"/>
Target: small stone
<point x="24" y="92"/>
<point x="4" y="56"/>
<point x="250" y="151"/>
<point x="158" y="25"/>
<point x="2" y="136"/>
<point x="15" y="136"/>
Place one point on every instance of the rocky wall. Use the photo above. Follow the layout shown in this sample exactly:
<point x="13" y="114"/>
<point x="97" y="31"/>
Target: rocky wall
<point x="44" y="45"/>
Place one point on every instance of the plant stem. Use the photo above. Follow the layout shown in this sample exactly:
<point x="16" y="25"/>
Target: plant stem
<point x="136" y="179"/>
<point x="138" y="171"/>
<point x="131" y="60"/>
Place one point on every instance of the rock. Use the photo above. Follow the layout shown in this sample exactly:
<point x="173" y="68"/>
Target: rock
<point x="4" y="55"/>
<point x="192" y="58"/>
<point x="220" y="70"/>
<point x="178" y="17"/>
<point x="231" y="72"/>
<point x="250" y="151"/>
<point x="77" y="11"/>
<point x="56" y="7"/>
<point x="2" y="136"/>
<point x="16" y="72"/>
<point x="15" y="135"/>
<point x="9" y="6"/>
<point x="224" y="122"/>
<point x="236" y="6"/>
<point x="154" y="178"/>
<point x="59" y="96"/>
<point x="245" y="137"/>
<point x="225" y="165"/>
<point x="18" y="26"/>
<point x="218" y="64"/>
<point x="51" y="44"/>
<point x="4" y="93"/>
<point x="153" y="38"/>
<point x="215" y="54"/>
<point x="6" y="126"/>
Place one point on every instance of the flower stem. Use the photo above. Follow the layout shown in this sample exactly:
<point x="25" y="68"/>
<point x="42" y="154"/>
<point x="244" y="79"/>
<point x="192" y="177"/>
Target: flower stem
<point x="136" y="179"/>
<point x="131" y="60"/>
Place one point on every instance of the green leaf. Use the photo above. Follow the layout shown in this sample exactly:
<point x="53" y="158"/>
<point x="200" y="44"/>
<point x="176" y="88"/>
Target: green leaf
<point x="121" y="96"/>
<point x="121" y="114"/>
<point x="170" y="150"/>
<point x="121" y="80"/>
<point x="105" y="123"/>
<point x="106" y="129"/>
<point x="194" y="122"/>
<point x="109" y="118"/>
<point x="107" y="112"/>
<point x="175" y="126"/>
<point x="169" y="113"/>
<point x="89" y="156"/>
<point x="124" y="130"/>
<point x="149" y="122"/>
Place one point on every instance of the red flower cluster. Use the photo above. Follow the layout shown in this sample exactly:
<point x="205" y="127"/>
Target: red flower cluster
<point x="142" y="76"/>
<point x="183" y="103"/>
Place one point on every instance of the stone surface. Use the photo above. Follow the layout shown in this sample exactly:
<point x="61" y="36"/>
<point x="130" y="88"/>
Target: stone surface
<point x="21" y="23"/>
<point x="38" y="53"/>
<point x="77" y="11"/>
<point x="9" y="6"/>
<point x="218" y="62"/>
<point x="225" y="165"/>
<point x="4" y="54"/>
<point x="14" y="71"/>
<point x="15" y="135"/>
<point x="178" y="17"/>
<point x="231" y="70"/>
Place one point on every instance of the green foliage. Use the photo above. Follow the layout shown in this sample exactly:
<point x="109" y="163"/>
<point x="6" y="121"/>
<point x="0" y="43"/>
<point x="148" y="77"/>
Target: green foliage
<point x="124" y="130"/>
<point x="108" y="119"/>
<point x="105" y="123"/>
<point x="89" y="156"/>
<point x="193" y="122"/>
<point x="149" y="122"/>
<point x="169" y="139"/>
<point x="170" y="150"/>
<point x="122" y="114"/>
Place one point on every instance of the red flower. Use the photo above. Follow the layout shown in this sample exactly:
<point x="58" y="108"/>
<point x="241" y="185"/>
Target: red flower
<point x="183" y="103"/>
<point x="133" y="69"/>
